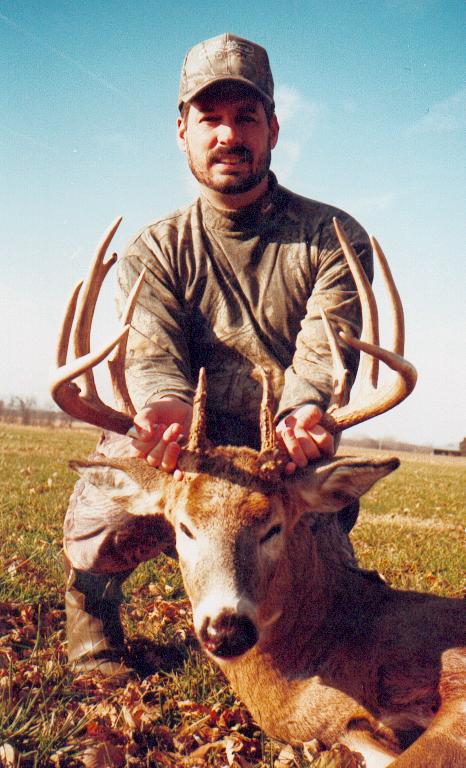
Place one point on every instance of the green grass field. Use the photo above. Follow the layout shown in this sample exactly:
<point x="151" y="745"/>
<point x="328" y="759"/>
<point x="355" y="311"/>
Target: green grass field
<point x="411" y="528"/>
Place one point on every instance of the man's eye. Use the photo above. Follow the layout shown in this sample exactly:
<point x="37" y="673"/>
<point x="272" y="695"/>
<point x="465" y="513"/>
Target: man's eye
<point x="273" y="531"/>
<point x="184" y="528"/>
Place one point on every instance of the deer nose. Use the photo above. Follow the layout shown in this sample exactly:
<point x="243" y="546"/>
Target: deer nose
<point x="229" y="634"/>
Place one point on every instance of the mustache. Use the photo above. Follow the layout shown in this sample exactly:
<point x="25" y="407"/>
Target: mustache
<point x="240" y="151"/>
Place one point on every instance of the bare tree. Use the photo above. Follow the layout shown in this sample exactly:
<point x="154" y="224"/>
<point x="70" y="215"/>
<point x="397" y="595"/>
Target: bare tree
<point x="25" y="407"/>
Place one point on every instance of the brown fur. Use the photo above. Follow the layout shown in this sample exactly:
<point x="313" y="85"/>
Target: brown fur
<point x="339" y="654"/>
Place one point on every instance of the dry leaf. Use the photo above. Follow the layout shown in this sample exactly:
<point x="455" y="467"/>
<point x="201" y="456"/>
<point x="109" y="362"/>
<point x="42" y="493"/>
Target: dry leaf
<point x="285" y="758"/>
<point x="339" y="756"/>
<point x="105" y="755"/>
<point x="9" y="756"/>
<point x="311" y="749"/>
<point x="231" y="747"/>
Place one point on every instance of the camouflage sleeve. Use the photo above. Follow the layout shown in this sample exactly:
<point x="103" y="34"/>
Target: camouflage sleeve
<point x="309" y="378"/>
<point x="158" y="359"/>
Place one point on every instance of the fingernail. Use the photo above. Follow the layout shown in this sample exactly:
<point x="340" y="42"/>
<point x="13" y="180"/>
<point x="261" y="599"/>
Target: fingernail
<point x="132" y="432"/>
<point x="317" y="430"/>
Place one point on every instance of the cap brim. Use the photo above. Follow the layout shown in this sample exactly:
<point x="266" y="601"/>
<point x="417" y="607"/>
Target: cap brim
<point x="194" y="92"/>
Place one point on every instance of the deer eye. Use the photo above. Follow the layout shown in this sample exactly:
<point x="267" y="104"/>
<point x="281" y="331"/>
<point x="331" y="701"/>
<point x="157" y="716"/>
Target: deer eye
<point x="186" y="531"/>
<point x="273" y="531"/>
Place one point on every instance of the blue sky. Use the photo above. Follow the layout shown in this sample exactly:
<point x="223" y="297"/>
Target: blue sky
<point x="372" y="103"/>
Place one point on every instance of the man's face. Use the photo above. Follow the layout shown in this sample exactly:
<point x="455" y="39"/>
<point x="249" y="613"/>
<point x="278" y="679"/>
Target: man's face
<point x="228" y="141"/>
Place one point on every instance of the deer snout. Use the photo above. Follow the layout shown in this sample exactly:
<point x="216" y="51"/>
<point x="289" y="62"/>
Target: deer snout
<point x="228" y="634"/>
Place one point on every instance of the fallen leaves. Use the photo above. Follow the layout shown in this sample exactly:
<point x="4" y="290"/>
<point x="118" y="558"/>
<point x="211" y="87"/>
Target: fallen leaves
<point x="146" y="723"/>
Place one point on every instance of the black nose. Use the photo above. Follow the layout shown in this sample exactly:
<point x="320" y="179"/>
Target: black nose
<point x="229" y="634"/>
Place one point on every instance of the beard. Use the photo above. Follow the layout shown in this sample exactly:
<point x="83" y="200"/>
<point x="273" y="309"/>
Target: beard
<point x="229" y="185"/>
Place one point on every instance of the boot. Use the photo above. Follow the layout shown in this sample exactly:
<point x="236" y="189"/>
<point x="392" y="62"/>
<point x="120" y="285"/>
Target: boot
<point x="94" y="632"/>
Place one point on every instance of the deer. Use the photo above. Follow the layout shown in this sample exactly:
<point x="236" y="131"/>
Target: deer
<point x="316" y="647"/>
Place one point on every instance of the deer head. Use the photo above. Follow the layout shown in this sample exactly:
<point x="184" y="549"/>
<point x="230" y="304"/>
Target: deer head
<point x="235" y="511"/>
<point x="234" y="527"/>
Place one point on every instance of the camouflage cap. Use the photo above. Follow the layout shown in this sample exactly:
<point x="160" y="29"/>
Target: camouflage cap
<point x="226" y="57"/>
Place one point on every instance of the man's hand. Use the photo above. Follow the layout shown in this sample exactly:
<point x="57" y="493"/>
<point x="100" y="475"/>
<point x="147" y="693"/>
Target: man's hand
<point x="302" y="437"/>
<point x="157" y="428"/>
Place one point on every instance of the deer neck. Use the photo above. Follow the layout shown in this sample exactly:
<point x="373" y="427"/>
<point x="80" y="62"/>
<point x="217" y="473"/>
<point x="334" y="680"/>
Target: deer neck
<point x="281" y="673"/>
<point x="312" y="578"/>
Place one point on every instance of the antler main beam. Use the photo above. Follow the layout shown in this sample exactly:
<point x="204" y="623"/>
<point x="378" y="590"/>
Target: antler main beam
<point x="82" y="400"/>
<point x="371" y="400"/>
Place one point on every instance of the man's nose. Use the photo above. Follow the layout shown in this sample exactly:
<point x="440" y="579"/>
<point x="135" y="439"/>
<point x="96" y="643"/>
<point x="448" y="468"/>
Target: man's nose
<point x="227" y="134"/>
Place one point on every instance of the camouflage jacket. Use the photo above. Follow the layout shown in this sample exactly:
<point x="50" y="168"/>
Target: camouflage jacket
<point x="230" y="290"/>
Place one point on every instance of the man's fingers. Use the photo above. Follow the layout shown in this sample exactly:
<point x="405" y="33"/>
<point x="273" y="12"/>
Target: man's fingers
<point x="165" y="453"/>
<point x="308" y="445"/>
<point x="155" y="456"/>
<point x="144" y="427"/>
<point x="292" y="445"/>
<point x="307" y="416"/>
<point x="141" y="447"/>
<point x="172" y="433"/>
<point x="170" y="457"/>
<point x="323" y="439"/>
<point x="303" y="438"/>
<point x="304" y="446"/>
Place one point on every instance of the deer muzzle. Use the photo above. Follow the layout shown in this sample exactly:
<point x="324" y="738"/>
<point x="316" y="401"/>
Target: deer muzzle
<point x="229" y="634"/>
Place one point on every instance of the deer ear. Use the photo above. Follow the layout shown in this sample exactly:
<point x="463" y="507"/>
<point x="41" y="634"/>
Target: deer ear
<point x="332" y="486"/>
<point x="118" y="485"/>
<point x="105" y="477"/>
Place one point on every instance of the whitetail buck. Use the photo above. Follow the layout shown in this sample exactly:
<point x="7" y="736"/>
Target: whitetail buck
<point x="315" y="647"/>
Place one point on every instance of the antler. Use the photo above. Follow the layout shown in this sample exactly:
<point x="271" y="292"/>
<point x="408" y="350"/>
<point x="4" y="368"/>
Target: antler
<point x="197" y="440"/>
<point x="371" y="400"/>
<point x="82" y="401"/>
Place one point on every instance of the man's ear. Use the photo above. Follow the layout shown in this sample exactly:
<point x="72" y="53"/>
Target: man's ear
<point x="181" y="133"/>
<point x="274" y="131"/>
<point x="123" y="489"/>
<point x="331" y="486"/>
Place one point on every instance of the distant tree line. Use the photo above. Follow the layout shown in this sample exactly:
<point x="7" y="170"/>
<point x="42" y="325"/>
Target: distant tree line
<point x="24" y="410"/>
<point x="392" y="444"/>
<point x="385" y="443"/>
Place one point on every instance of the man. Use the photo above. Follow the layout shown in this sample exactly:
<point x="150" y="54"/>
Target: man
<point x="234" y="280"/>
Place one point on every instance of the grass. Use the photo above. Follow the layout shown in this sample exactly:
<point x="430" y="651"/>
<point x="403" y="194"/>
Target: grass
<point x="410" y="528"/>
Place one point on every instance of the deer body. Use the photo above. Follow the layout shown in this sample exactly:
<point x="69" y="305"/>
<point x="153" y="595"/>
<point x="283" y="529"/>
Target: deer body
<point x="370" y="660"/>
<point x="314" y="646"/>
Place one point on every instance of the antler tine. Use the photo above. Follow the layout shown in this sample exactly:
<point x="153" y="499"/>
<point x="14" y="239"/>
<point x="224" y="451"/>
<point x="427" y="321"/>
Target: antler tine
<point x="197" y="441"/>
<point x="86" y="307"/>
<point x="370" y="319"/>
<point x="267" y="428"/>
<point x="340" y="372"/>
<point x="65" y="332"/>
<point x="381" y="400"/>
<point x="67" y="394"/>
<point x="395" y="300"/>
<point x="372" y="401"/>
<point x="116" y="364"/>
